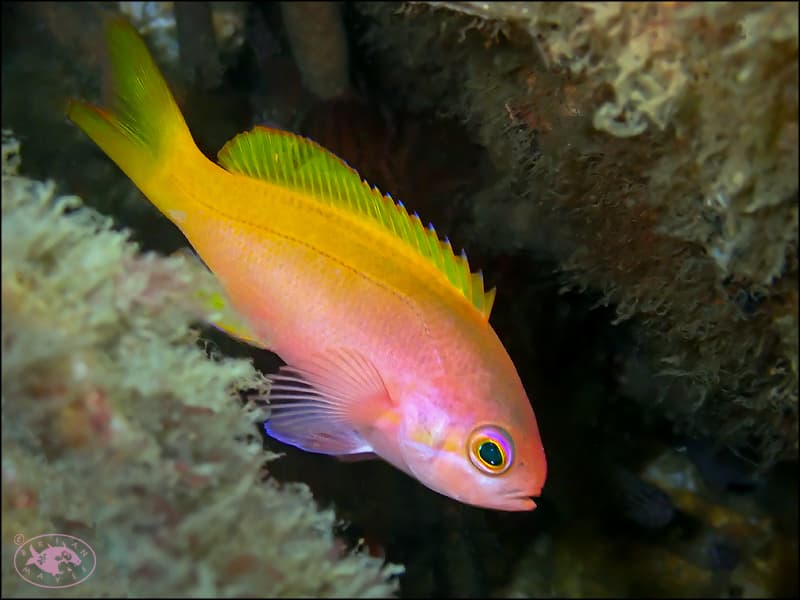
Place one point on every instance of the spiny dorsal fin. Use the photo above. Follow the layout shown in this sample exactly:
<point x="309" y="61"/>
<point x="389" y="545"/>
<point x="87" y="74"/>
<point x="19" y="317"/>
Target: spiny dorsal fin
<point x="293" y="161"/>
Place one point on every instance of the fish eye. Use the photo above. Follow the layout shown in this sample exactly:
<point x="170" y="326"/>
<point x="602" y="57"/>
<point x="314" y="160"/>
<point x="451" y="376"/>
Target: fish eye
<point x="491" y="449"/>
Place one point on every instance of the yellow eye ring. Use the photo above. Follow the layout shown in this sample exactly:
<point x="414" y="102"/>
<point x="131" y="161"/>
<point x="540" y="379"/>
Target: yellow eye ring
<point x="491" y="450"/>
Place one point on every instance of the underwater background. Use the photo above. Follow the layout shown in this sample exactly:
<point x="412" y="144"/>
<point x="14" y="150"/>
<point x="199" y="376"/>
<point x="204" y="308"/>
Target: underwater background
<point x="625" y="174"/>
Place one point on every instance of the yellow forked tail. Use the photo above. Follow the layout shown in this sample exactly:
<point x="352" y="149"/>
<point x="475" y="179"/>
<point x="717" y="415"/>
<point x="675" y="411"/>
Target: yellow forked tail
<point x="144" y="131"/>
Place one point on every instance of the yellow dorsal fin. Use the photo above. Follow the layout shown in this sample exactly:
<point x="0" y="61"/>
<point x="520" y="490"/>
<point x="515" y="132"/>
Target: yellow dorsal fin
<point x="298" y="163"/>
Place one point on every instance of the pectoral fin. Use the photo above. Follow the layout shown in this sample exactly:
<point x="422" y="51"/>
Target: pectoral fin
<point x="321" y="404"/>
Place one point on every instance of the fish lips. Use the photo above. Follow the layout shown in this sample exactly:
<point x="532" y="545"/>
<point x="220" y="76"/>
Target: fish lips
<point x="517" y="503"/>
<point x="517" y="500"/>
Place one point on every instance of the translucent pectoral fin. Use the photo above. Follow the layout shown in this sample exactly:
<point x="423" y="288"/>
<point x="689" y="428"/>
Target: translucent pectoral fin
<point x="323" y="403"/>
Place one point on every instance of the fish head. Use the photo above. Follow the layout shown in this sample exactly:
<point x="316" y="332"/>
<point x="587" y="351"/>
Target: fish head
<point x="482" y="450"/>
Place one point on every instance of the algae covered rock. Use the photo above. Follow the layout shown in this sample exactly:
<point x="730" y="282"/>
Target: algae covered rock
<point x="119" y="429"/>
<point x="651" y="151"/>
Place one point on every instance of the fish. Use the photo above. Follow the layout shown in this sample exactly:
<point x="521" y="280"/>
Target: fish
<point x="383" y="328"/>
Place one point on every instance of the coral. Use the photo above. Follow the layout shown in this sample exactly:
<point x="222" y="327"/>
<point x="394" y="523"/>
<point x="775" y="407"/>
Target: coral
<point x="119" y="429"/>
<point x="696" y="69"/>
<point x="651" y="150"/>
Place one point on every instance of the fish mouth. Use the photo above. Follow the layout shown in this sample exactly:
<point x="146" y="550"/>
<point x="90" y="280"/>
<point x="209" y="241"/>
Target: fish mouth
<point x="517" y="503"/>
<point x="518" y="500"/>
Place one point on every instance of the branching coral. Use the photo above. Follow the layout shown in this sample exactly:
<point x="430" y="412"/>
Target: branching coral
<point x="118" y="429"/>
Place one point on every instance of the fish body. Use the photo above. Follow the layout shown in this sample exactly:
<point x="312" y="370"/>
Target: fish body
<point x="384" y="330"/>
<point x="51" y="558"/>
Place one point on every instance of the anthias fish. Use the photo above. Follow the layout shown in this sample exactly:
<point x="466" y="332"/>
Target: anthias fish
<point x="385" y="331"/>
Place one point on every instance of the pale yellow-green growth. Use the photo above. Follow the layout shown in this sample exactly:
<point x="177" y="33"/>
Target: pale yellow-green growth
<point x="119" y="429"/>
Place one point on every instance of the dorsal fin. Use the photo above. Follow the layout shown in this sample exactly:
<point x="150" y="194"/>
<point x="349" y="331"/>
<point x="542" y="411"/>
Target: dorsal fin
<point x="298" y="163"/>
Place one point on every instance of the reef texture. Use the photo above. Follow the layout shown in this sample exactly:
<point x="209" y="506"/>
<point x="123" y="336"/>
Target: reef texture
<point x="692" y="541"/>
<point x="118" y="428"/>
<point x="652" y="150"/>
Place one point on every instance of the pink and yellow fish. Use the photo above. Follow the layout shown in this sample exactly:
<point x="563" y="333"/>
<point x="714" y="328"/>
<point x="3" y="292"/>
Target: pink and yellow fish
<point x="385" y="331"/>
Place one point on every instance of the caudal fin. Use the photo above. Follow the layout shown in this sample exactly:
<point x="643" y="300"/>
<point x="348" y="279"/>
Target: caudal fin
<point x="143" y="130"/>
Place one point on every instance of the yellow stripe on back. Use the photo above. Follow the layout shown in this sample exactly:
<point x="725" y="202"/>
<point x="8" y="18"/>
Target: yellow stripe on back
<point x="290" y="160"/>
